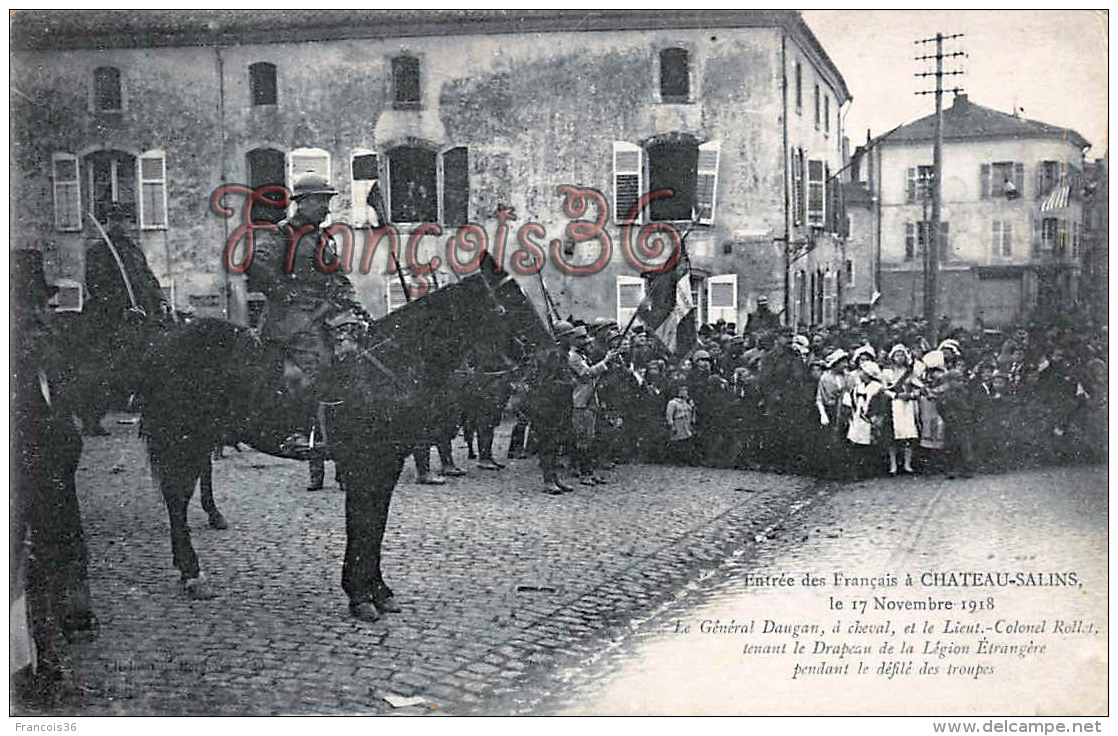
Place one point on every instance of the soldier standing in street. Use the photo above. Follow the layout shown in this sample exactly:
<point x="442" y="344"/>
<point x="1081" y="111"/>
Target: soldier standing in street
<point x="548" y="407"/>
<point x="306" y="303"/>
<point x="584" y="398"/>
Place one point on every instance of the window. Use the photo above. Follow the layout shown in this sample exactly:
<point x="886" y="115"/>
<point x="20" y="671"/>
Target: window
<point x="303" y="160"/>
<point x="456" y="186"/>
<point x="405" y="82"/>
<point x="153" y="191"/>
<point x="1004" y="179"/>
<point x="830" y="297"/>
<point x="675" y="75"/>
<point x="798" y="186"/>
<point x="364" y="169"/>
<point x="707" y="181"/>
<point x="816" y="193"/>
<point x="67" y="192"/>
<point x="630" y="293"/>
<point x="107" y="93"/>
<point x="1076" y="239"/>
<point x="266" y="167"/>
<point x="919" y="183"/>
<point x="827" y="114"/>
<point x="1047" y="177"/>
<point x="673" y="166"/>
<point x="1049" y="234"/>
<point x="849" y="270"/>
<point x="916" y="238"/>
<point x="413" y="184"/>
<point x="722" y="298"/>
<point x="1001" y="238"/>
<point x="799" y="88"/>
<point x="817" y="107"/>
<point x="262" y="81"/>
<point x="849" y="226"/>
<point x="111" y="180"/>
<point x="626" y="180"/>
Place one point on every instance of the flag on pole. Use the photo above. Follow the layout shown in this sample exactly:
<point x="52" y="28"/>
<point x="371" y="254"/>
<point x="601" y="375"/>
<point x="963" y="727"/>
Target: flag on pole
<point x="667" y="308"/>
<point x="1057" y="199"/>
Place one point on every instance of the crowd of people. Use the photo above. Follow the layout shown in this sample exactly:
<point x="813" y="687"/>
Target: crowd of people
<point x="861" y="398"/>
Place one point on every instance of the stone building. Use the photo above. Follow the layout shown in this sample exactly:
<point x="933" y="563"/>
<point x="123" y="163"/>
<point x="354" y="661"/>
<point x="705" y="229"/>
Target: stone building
<point x="1011" y="246"/>
<point x="453" y="115"/>
<point x="1096" y="240"/>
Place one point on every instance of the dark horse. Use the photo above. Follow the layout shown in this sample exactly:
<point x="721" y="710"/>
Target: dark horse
<point x="211" y="381"/>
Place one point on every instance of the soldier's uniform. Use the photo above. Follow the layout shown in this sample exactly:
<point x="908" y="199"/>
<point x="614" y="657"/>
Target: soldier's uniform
<point x="305" y="303"/>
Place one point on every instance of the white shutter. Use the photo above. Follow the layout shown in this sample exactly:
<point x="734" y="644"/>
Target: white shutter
<point x="364" y="168"/>
<point x="722" y="298"/>
<point x="797" y="186"/>
<point x="67" y="192"/>
<point x="630" y="293"/>
<point x="830" y="298"/>
<point x="996" y="238"/>
<point x="816" y="194"/>
<point x="153" y="190"/>
<point x="626" y="180"/>
<point x="395" y="292"/>
<point x="302" y="160"/>
<point x="706" y="183"/>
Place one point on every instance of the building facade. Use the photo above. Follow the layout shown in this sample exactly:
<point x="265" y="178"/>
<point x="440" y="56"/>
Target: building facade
<point x="1012" y="216"/>
<point x="513" y="123"/>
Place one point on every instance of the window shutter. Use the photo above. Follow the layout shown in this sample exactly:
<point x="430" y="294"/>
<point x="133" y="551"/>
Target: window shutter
<point x="984" y="177"/>
<point x="706" y="184"/>
<point x="944" y="243"/>
<point x="456" y="186"/>
<point x="909" y="241"/>
<point x="630" y="293"/>
<point x="67" y="192"/>
<point x="910" y="185"/>
<point x="1019" y="177"/>
<point x="798" y="186"/>
<point x="153" y="191"/>
<point x="302" y="160"/>
<point x="626" y="180"/>
<point x="722" y="298"/>
<point x="1007" y="238"/>
<point x="395" y="292"/>
<point x="1036" y="237"/>
<point x="364" y="169"/>
<point x="816" y="200"/>
<point x="1062" y="237"/>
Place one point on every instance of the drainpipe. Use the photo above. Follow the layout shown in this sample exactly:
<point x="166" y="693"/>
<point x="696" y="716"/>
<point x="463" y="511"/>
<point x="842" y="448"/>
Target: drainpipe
<point x="786" y="163"/>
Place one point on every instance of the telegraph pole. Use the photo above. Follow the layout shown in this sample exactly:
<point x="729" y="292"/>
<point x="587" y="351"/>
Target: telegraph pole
<point x="931" y="248"/>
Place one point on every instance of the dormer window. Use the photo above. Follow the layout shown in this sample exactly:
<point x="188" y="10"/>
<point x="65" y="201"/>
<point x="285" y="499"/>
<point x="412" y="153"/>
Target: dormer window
<point x="107" y="96"/>
<point x="405" y="82"/>
<point x="675" y="75"/>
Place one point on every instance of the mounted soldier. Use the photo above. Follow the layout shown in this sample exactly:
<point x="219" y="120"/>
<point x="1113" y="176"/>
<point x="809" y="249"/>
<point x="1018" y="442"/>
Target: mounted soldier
<point x="306" y="304"/>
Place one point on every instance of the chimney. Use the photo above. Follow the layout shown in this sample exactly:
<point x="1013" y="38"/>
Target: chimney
<point x="961" y="100"/>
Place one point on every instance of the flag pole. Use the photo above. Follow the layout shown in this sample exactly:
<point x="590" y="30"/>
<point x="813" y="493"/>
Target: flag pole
<point x="682" y="255"/>
<point x="550" y="307"/>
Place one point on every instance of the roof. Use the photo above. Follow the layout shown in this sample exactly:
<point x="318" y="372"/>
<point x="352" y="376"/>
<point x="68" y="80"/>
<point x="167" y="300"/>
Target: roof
<point x="109" y="29"/>
<point x="965" y="120"/>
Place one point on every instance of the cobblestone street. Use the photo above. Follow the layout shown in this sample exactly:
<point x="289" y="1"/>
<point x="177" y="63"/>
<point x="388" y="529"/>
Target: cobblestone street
<point x="500" y="584"/>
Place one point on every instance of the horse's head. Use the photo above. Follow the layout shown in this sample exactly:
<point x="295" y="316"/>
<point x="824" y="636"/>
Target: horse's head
<point x="515" y="327"/>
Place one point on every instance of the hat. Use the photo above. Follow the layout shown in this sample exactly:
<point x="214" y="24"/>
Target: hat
<point x="701" y="355"/>
<point x="900" y="348"/>
<point x="602" y="323"/>
<point x="762" y="300"/>
<point x="309" y="183"/>
<point x="801" y="341"/>
<point x="864" y="350"/>
<point x="835" y="357"/>
<point x="579" y="331"/>
<point x="562" y="327"/>
<point x="952" y="345"/>
<point x="873" y="369"/>
<point x="934" y="359"/>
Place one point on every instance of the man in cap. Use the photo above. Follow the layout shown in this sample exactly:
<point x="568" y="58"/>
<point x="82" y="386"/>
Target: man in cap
<point x="763" y="318"/>
<point x="306" y="304"/>
<point x="548" y="405"/>
<point x="584" y="399"/>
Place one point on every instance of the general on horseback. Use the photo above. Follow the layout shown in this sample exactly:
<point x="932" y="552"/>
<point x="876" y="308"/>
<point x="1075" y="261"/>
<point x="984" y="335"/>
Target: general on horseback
<point x="308" y="307"/>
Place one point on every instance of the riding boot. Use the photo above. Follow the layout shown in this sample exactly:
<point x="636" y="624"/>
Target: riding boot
<point x="318" y="474"/>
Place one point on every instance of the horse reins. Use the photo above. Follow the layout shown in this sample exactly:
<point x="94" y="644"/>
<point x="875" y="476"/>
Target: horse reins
<point x="119" y="264"/>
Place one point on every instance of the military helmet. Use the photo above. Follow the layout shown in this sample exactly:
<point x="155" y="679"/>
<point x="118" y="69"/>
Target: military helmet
<point x="700" y="355"/>
<point x="562" y="328"/>
<point x="309" y="183"/>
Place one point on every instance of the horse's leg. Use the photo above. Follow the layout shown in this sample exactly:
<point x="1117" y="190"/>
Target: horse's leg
<point x="177" y="489"/>
<point x="206" y="482"/>
<point x="369" y="480"/>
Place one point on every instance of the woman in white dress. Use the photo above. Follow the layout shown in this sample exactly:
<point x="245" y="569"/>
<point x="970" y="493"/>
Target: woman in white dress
<point x="902" y="386"/>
